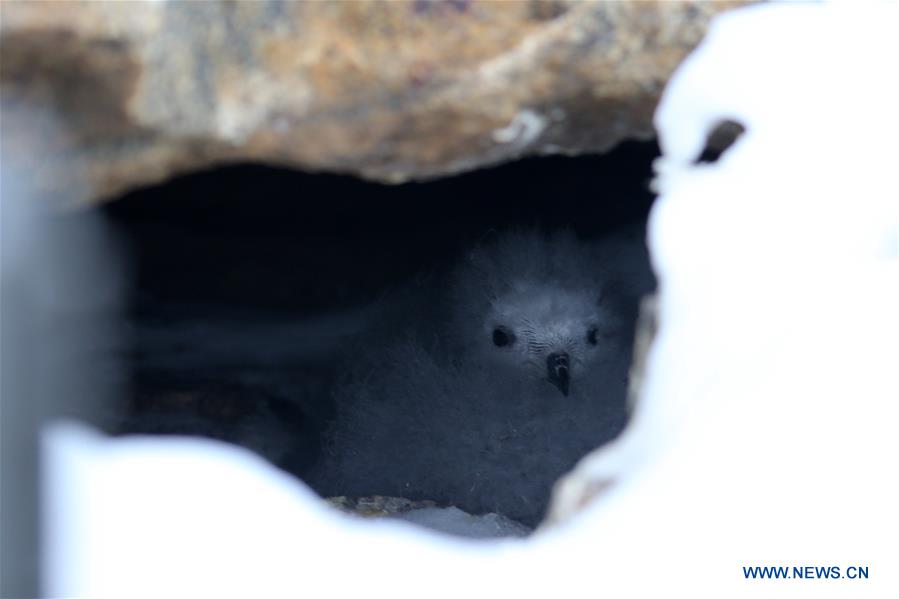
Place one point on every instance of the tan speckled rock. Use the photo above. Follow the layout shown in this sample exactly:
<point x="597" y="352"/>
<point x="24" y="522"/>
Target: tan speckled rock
<point x="377" y="505"/>
<point x="391" y="91"/>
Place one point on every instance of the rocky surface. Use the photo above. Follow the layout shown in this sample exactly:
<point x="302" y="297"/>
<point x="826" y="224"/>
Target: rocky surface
<point x="450" y="520"/>
<point x="391" y="91"/>
<point x="377" y="505"/>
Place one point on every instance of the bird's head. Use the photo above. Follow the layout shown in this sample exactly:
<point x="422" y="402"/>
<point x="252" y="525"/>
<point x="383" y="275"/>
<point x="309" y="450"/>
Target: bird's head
<point x="529" y="307"/>
<point x="543" y="333"/>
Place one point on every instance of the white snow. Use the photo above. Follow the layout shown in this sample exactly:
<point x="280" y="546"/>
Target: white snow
<point x="525" y="127"/>
<point x="767" y="433"/>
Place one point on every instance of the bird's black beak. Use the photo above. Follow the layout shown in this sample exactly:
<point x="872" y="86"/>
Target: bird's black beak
<point x="557" y="371"/>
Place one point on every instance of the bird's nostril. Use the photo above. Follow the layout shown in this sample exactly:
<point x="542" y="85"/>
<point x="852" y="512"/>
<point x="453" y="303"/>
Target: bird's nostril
<point x="557" y="361"/>
<point x="557" y="371"/>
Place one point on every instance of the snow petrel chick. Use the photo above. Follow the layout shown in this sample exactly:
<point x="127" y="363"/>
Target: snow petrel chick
<point x="488" y="394"/>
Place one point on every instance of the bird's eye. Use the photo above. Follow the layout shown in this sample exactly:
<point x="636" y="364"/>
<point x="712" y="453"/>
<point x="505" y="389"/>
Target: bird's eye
<point x="502" y="337"/>
<point x="593" y="336"/>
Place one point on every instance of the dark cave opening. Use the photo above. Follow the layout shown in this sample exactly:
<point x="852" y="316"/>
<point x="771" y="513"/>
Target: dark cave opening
<point x="246" y="282"/>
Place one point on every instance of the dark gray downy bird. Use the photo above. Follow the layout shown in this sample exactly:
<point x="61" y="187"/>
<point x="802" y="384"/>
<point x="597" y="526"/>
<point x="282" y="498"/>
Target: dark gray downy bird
<point x="495" y="389"/>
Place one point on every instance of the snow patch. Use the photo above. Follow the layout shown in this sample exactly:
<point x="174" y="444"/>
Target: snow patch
<point x="524" y="128"/>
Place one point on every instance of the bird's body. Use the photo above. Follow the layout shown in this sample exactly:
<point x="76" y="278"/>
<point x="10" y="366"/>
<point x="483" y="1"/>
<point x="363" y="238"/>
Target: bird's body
<point x="516" y="373"/>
